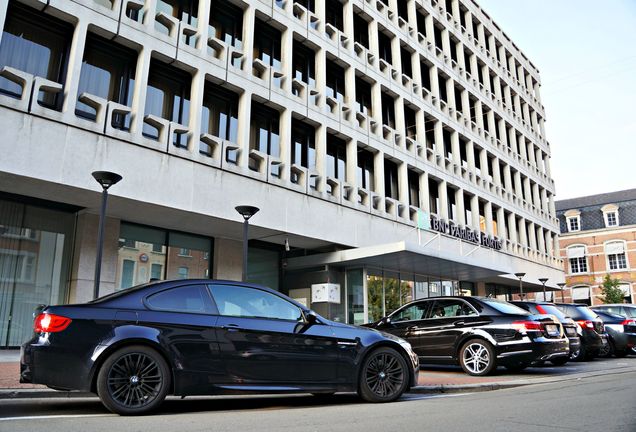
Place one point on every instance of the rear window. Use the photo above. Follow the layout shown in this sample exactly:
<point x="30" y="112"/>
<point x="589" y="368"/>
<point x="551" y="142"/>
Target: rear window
<point x="580" y="313"/>
<point x="553" y="310"/>
<point x="505" y="307"/>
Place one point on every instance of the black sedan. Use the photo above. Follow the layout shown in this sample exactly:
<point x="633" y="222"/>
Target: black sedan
<point x="621" y="332"/>
<point x="203" y="337"/>
<point x="570" y="327"/>
<point x="593" y="336"/>
<point x="479" y="333"/>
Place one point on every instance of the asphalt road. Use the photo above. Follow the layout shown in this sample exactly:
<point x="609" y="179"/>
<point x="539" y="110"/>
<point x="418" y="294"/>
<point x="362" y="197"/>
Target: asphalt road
<point x="599" y="403"/>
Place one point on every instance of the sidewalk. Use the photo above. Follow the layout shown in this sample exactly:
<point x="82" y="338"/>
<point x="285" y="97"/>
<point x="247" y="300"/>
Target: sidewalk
<point x="432" y="379"/>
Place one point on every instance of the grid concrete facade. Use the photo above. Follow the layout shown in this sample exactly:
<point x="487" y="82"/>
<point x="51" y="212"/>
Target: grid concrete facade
<point x="404" y="108"/>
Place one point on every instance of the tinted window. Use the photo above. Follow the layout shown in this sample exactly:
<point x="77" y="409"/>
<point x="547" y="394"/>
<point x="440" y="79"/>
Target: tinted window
<point x="450" y="308"/>
<point x="190" y="298"/>
<point x="253" y="303"/>
<point x="410" y="313"/>
<point x="579" y="313"/>
<point x="505" y="307"/>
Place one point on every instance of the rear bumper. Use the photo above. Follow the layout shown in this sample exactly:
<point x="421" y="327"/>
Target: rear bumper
<point x="593" y="342"/>
<point x="624" y="341"/>
<point x="535" y="350"/>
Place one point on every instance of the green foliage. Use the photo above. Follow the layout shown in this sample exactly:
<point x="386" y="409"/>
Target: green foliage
<point x="611" y="293"/>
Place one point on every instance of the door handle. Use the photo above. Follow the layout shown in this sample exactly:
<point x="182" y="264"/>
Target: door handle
<point x="458" y="323"/>
<point x="231" y="327"/>
<point x="412" y="328"/>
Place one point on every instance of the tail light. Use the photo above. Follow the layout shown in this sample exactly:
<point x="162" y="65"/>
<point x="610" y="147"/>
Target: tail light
<point x="586" y="324"/>
<point x="629" y="322"/>
<point x="50" y="323"/>
<point x="524" y="326"/>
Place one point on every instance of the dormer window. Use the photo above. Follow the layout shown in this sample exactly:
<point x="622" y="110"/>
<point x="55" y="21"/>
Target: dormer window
<point x="573" y="220"/>
<point x="610" y="214"/>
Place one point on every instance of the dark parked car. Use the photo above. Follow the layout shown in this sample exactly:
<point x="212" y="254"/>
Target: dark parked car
<point x="479" y="333"/>
<point x="621" y="332"/>
<point x="593" y="336"/>
<point x="570" y="328"/>
<point x="627" y="310"/>
<point x="202" y="337"/>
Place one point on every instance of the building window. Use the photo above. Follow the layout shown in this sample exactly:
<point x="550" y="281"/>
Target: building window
<point x="388" y="110"/>
<point x="616" y="258"/>
<point x="384" y="46"/>
<point x="578" y="261"/>
<point x="414" y="188"/>
<point x="38" y="44"/>
<point x="267" y="44"/>
<point x="226" y="23"/>
<point x="168" y="97"/>
<point x="407" y="68"/>
<point x="264" y="134"/>
<point x="361" y="31"/>
<point x="391" y="189"/>
<point x="574" y="223"/>
<point x="127" y="273"/>
<point x="334" y="13"/>
<point x="364" y="174"/>
<point x="304" y="64"/>
<point x="183" y="272"/>
<point x="156" y="271"/>
<point x="410" y="123"/>
<point x="363" y="96"/>
<point x="183" y="10"/>
<point x="303" y="151"/>
<point x="610" y="214"/>
<point x="336" y="158"/>
<point x="335" y="81"/>
<point x="219" y="115"/>
<point x="108" y="71"/>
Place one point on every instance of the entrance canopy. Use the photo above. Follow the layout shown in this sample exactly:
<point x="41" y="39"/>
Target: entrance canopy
<point x="466" y="263"/>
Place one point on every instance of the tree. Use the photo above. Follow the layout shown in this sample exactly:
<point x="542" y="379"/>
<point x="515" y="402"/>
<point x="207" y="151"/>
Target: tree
<point x="611" y="293"/>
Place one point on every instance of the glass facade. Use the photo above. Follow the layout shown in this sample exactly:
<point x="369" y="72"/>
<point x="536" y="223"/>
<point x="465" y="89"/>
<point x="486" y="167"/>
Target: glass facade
<point x="35" y="252"/>
<point x="147" y="253"/>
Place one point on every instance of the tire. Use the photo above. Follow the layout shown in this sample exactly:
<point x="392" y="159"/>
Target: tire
<point x="516" y="367"/>
<point x="560" y="361"/>
<point x="133" y="380"/>
<point x="579" y="355"/>
<point x="384" y="376"/>
<point x="477" y="357"/>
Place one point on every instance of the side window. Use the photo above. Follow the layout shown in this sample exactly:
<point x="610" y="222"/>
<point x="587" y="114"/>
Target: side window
<point x="413" y="312"/>
<point x="450" y="308"/>
<point x="189" y="298"/>
<point x="253" y="303"/>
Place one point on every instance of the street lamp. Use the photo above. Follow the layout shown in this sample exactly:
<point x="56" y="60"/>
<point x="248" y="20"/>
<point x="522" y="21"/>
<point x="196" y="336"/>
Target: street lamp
<point x="247" y="212"/>
<point x="520" y="276"/>
<point x="561" y="285"/>
<point x="543" y="281"/>
<point x="105" y="179"/>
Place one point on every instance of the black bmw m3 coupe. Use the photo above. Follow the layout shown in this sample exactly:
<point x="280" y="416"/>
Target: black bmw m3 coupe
<point x="203" y="337"/>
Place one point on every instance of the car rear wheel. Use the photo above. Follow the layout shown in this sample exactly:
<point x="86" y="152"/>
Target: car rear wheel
<point x="384" y="376"/>
<point x="606" y="350"/>
<point x="477" y="357"/>
<point x="578" y="355"/>
<point x="133" y="380"/>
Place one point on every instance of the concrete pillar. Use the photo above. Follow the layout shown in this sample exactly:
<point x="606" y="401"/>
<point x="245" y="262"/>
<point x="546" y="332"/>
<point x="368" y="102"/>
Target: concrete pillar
<point x="489" y="219"/>
<point x="497" y="89"/>
<point x="541" y="240"/>
<point x="485" y="169"/>
<point x="321" y="76"/>
<point x="378" y="173"/>
<point x="518" y="185"/>
<point x="197" y="90"/>
<point x="403" y="182"/>
<point x="439" y="141"/>
<point x="536" y="199"/>
<point x="492" y="125"/>
<point x="544" y="200"/>
<point x="74" y="69"/>
<point x="474" y="212"/>
<point x="455" y="148"/>
<point x="508" y="179"/>
<point x="400" y="121"/>
<point x="442" y="191"/>
<point x="459" y="206"/>
<point x="549" y="245"/>
<point x="249" y="19"/>
<point x="527" y="191"/>
<point x="321" y="157"/>
<point x="243" y="133"/>
<point x="523" y="235"/>
<point x="430" y="29"/>
<point x="374" y="44"/>
<point x="83" y="265"/>
<point x="434" y="81"/>
<point x="284" y="146"/>
<point x="352" y="163"/>
<point x="512" y="228"/>
<point x="139" y="91"/>
<point x="350" y="87"/>
<point x="532" y="241"/>
<point x="470" y="156"/>
<point x="425" y="195"/>
<point x="287" y="59"/>
<point x="502" y="132"/>
<point x="228" y="259"/>
<point x="512" y="140"/>
<point x="501" y="223"/>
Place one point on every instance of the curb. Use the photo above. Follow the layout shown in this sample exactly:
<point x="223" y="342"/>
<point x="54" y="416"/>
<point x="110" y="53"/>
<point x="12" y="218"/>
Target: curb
<point x="43" y="393"/>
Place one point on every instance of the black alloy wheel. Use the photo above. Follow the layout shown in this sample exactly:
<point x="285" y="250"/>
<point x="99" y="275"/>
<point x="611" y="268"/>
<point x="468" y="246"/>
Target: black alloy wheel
<point x="133" y="380"/>
<point x="606" y="350"/>
<point x="578" y="355"/>
<point x="477" y="357"/>
<point x="384" y="376"/>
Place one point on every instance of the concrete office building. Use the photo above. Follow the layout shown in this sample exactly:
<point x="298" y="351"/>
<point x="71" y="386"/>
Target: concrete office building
<point x="396" y="147"/>
<point x="598" y="238"/>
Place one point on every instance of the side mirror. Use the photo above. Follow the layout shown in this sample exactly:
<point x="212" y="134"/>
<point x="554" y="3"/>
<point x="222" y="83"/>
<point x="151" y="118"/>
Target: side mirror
<point x="385" y="321"/>
<point x="311" y="317"/>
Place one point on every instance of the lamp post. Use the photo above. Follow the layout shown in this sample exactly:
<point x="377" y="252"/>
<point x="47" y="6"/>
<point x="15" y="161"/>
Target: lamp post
<point x="520" y="276"/>
<point x="561" y="285"/>
<point x="105" y="179"/>
<point x="543" y="281"/>
<point x="247" y="212"/>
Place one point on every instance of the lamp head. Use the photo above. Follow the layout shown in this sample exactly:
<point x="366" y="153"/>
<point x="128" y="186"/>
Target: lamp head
<point x="520" y="275"/>
<point x="247" y="211"/>
<point x="543" y="280"/>
<point x="561" y="284"/>
<point x="106" y="178"/>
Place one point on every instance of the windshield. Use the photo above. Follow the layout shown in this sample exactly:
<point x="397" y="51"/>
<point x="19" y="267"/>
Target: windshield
<point x="505" y="307"/>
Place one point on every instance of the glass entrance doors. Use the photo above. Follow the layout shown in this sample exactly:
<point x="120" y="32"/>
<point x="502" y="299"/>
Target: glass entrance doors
<point x="35" y="249"/>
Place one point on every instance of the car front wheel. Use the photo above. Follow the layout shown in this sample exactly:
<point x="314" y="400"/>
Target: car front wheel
<point x="384" y="376"/>
<point x="477" y="357"/>
<point x="133" y="380"/>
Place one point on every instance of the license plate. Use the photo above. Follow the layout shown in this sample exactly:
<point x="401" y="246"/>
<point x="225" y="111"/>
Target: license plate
<point x="552" y="330"/>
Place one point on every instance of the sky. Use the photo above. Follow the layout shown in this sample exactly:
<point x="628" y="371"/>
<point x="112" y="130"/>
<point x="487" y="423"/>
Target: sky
<point x="586" y="55"/>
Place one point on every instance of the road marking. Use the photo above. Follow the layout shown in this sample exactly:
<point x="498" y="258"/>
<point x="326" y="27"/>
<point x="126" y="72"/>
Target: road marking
<point x="55" y="417"/>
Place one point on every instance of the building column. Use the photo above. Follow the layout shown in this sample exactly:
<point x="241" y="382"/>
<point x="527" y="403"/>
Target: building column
<point x="249" y="20"/>
<point x="470" y="156"/>
<point x="403" y="183"/>
<point x="425" y="195"/>
<point x="512" y="228"/>
<point x="541" y="240"/>
<point x="74" y="69"/>
<point x="512" y="139"/>
<point x="508" y="179"/>
<point x="455" y="148"/>
<point x="352" y="163"/>
<point x="532" y="241"/>
<point x="474" y="212"/>
<point x="321" y="77"/>
<point x="489" y="219"/>
<point x="536" y="198"/>
<point x="378" y="173"/>
<point x="434" y="82"/>
<point x="243" y="128"/>
<point x="139" y="92"/>
<point x="287" y="59"/>
<point x="197" y="90"/>
<point x="523" y="233"/>
<point x="321" y="158"/>
<point x="439" y="141"/>
<point x="518" y="186"/>
<point x="442" y="191"/>
<point x="501" y="223"/>
<point x="459" y="206"/>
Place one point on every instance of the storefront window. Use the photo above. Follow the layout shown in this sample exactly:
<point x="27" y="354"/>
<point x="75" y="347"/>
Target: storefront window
<point x="355" y="297"/>
<point x="263" y="267"/>
<point x="35" y="251"/>
<point x="150" y="253"/>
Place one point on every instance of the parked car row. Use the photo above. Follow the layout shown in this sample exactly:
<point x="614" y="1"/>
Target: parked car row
<point x="481" y="333"/>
